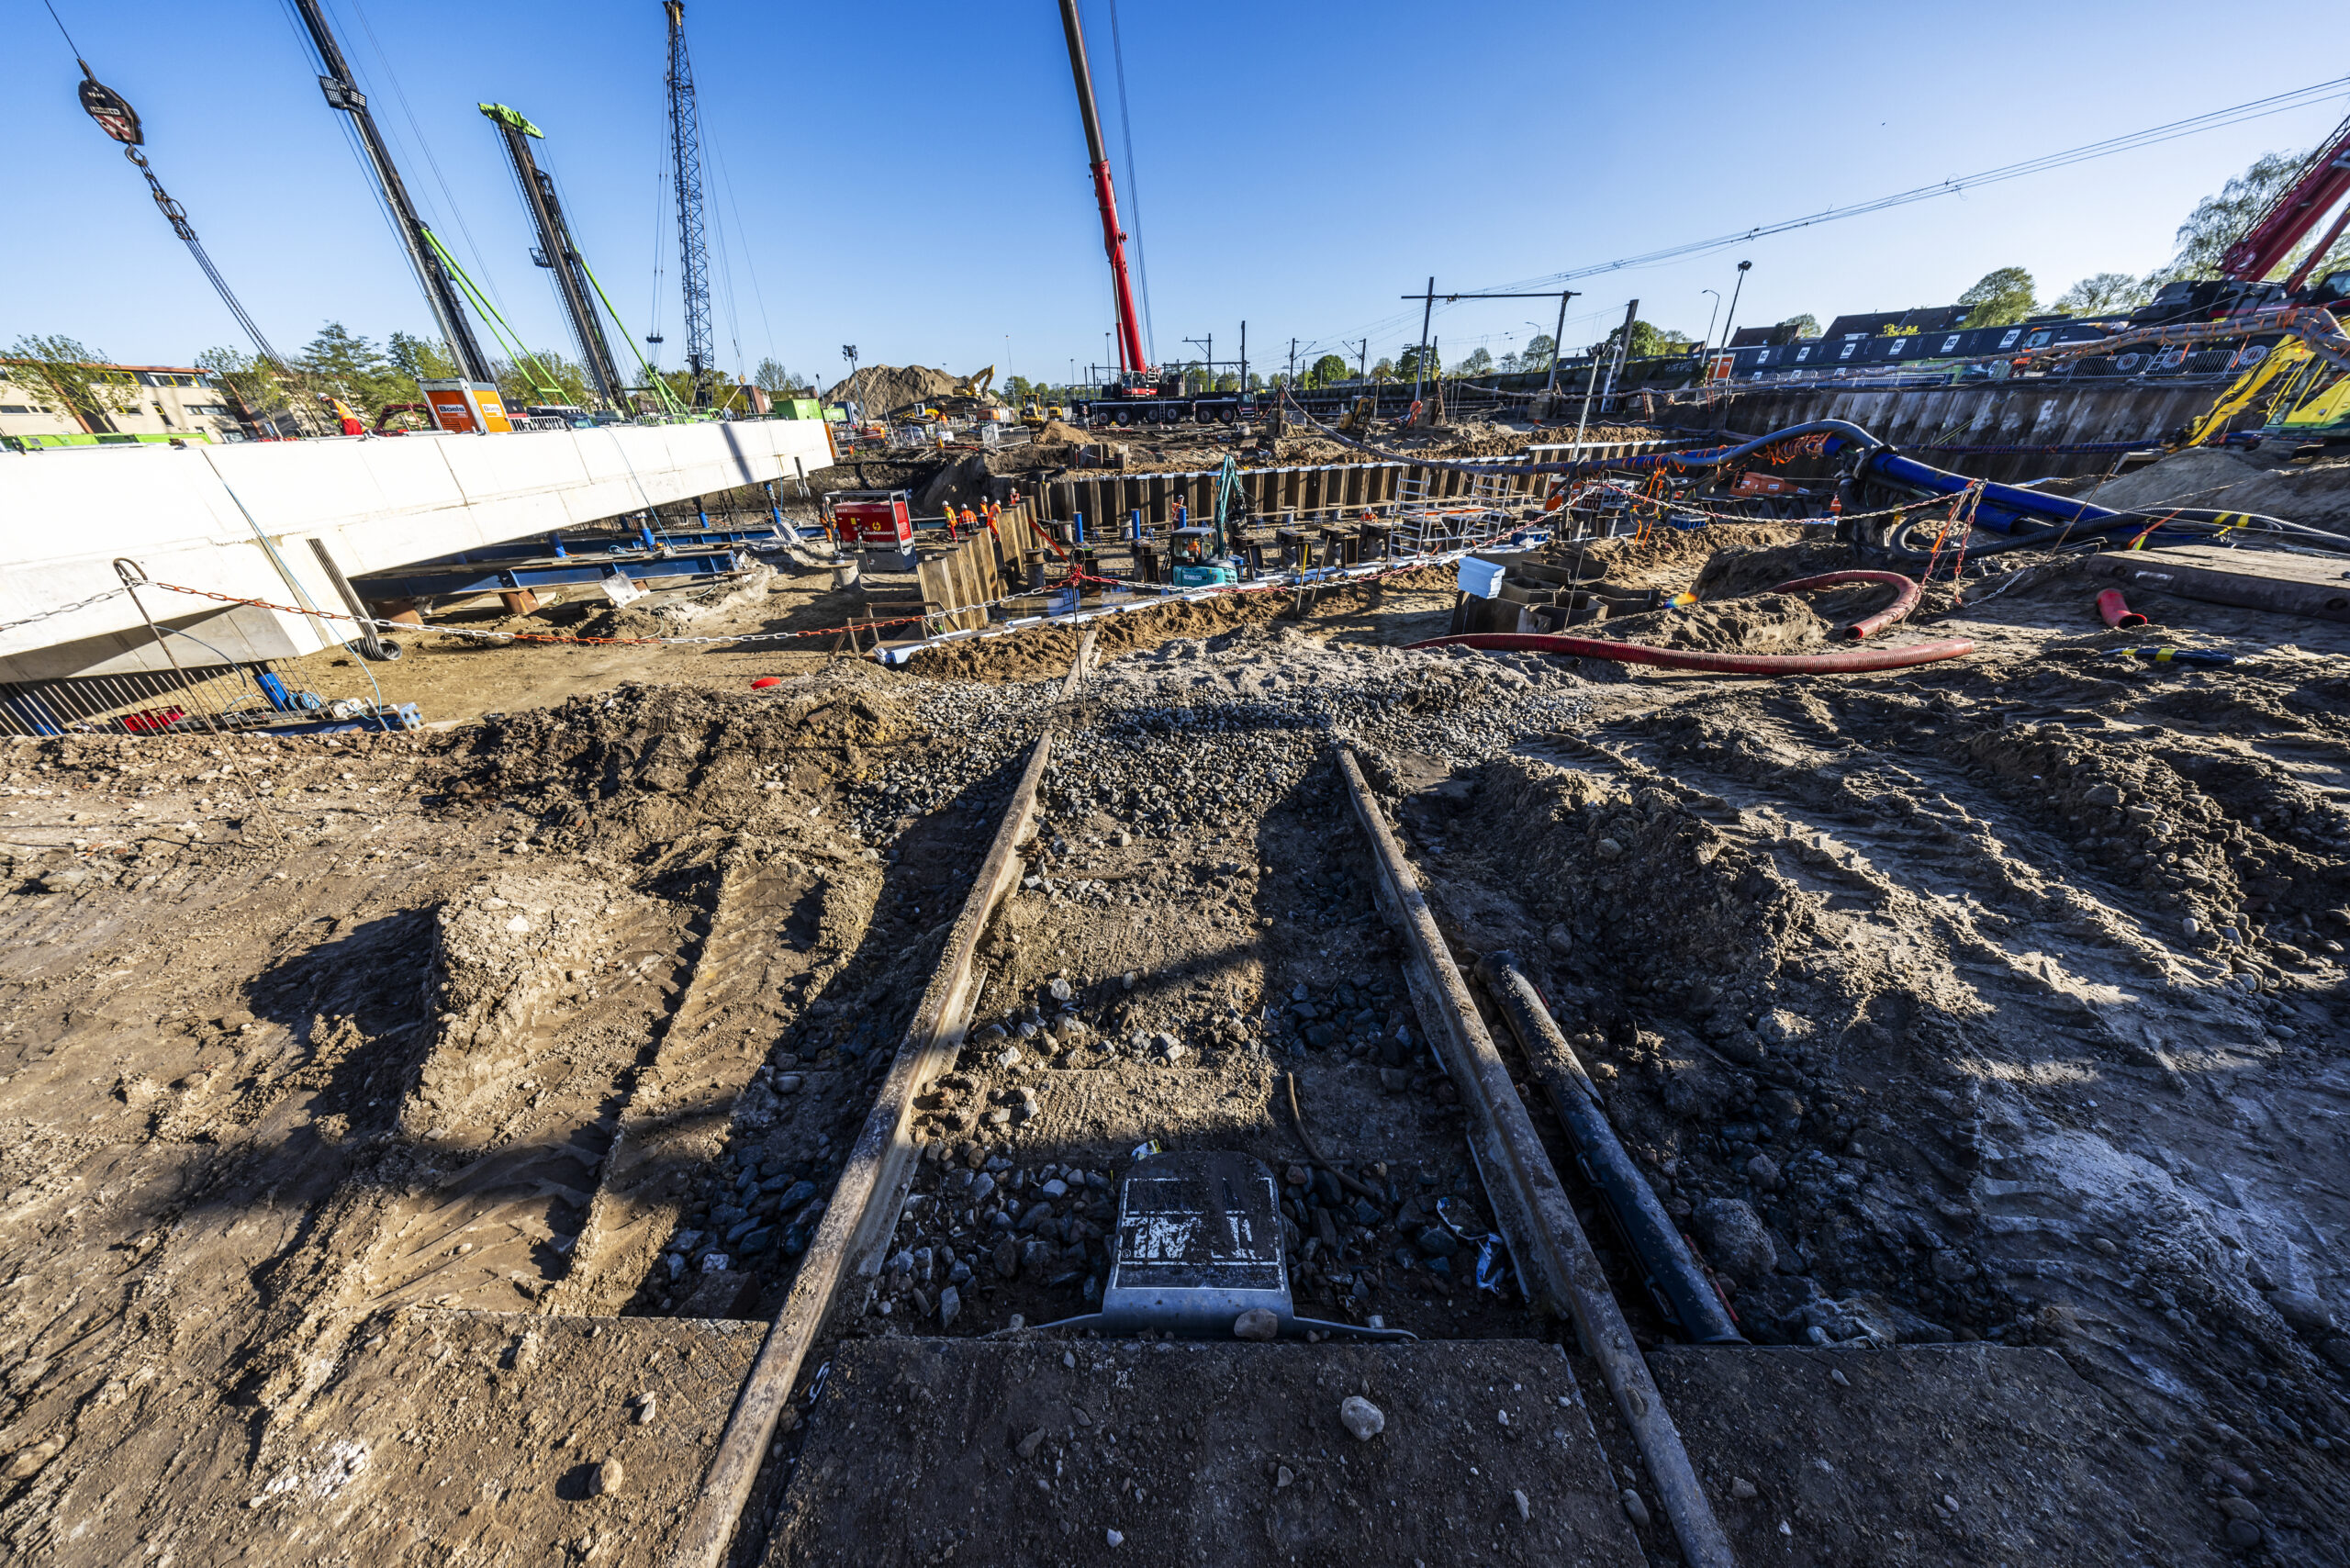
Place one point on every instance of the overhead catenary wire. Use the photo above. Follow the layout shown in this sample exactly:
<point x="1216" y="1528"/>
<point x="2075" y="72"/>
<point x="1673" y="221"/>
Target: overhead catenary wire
<point x="2151" y="136"/>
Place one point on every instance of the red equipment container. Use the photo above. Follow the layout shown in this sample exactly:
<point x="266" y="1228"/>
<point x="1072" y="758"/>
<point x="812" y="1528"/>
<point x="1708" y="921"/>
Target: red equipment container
<point x="887" y="523"/>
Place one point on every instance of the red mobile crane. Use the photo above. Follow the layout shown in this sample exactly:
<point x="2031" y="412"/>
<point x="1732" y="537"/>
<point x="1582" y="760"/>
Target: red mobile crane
<point x="2323" y="180"/>
<point x="1134" y="369"/>
<point x="2317" y="187"/>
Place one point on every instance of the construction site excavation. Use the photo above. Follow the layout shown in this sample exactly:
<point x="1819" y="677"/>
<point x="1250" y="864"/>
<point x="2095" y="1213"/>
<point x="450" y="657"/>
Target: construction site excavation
<point x="1688" y="951"/>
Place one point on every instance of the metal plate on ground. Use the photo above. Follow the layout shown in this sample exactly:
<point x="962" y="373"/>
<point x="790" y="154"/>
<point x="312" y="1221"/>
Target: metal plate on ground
<point x="1198" y="1243"/>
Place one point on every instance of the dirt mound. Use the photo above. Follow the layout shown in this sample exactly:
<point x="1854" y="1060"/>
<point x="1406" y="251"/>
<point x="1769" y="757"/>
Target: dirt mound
<point x="1042" y="653"/>
<point x="1059" y="432"/>
<point x="883" y="388"/>
<point x="1744" y="569"/>
<point x="1767" y="623"/>
<point x="2265" y="482"/>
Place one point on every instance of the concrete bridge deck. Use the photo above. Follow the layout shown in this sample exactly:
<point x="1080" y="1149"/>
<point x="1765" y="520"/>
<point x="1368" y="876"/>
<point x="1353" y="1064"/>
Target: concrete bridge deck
<point x="239" y="520"/>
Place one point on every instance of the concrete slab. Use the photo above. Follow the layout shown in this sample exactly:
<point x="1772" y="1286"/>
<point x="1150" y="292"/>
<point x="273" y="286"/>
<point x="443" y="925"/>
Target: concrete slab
<point x="930" y="1451"/>
<point x="2042" y="1468"/>
<point x="2313" y="586"/>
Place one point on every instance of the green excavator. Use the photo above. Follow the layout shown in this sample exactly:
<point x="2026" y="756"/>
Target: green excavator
<point x="1201" y="557"/>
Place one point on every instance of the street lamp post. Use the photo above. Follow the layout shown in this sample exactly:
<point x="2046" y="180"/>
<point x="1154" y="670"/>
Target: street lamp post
<point x="1710" y="314"/>
<point x="1729" y="326"/>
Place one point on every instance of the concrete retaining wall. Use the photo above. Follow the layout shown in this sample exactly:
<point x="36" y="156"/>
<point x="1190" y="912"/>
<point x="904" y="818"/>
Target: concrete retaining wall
<point x="2006" y="413"/>
<point x="198" y="516"/>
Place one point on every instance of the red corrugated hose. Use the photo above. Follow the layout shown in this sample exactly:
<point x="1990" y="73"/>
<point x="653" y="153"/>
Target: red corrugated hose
<point x="2116" y="609"/>
<point x="1848" y="660"/>
<point x="1905" y="600"/>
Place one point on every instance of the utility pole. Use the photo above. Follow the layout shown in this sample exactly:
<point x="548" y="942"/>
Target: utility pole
<point x="440" y="290"/>
<point x="1730" y="327"/>
<point x="1585" y="418"/>
<point x="1244" y="358"/>
<point x="1362" y="358"/>
<point x="1428" y="311"/>
<point x="1623" y="347"/>
<point x="1293" y="363"/>
<point x="1552" y="386"/>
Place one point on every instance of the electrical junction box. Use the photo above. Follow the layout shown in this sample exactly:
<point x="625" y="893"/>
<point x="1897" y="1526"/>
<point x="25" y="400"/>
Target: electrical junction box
<point x="1199" y="1242"/>
<point x="466" y="407"/>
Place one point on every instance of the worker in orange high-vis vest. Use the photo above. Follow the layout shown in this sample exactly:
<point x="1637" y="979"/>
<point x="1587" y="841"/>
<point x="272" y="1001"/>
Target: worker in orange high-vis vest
<point x="351" y="423"/>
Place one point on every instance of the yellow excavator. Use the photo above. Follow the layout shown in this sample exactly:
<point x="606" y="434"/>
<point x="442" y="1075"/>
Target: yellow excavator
<point x="2302" y="392"/>
<point x="974" y="386"/>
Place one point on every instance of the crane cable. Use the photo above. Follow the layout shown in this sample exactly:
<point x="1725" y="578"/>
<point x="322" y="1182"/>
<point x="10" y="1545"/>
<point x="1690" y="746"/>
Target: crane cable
<point x="1133" y="186"/>
<point x="118" y="120"/>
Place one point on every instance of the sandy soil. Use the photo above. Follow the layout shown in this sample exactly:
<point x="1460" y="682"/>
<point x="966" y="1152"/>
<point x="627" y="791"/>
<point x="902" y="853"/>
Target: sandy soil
<point x="1992" y="1002"/>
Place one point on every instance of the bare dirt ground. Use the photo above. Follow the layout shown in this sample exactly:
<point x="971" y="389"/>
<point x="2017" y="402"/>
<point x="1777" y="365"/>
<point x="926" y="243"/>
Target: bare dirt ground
<point x="396" y="1124"/>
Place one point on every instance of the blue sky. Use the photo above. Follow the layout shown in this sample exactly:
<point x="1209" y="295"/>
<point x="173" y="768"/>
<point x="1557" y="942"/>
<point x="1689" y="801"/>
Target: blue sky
<point x="912" y="178"/>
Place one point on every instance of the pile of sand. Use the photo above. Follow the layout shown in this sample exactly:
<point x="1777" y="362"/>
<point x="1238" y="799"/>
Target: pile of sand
<point x="884" y="388"/>
<point x="2267" y="481"/>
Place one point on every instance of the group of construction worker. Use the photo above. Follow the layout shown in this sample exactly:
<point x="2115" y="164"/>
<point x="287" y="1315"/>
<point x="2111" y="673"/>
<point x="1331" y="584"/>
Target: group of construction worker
<point x="965" y="521"/>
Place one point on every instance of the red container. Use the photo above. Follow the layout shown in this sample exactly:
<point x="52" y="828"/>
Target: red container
<point x="875" y="523"/>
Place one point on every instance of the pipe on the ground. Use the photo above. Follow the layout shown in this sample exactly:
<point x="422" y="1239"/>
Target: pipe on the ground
<point x="1906" y="594"/>
<point x="1547" y="1245"/>
<point x="1671" y="1274"/>
<point x="1847" y="661"/>
<point x="2116" y="609"/>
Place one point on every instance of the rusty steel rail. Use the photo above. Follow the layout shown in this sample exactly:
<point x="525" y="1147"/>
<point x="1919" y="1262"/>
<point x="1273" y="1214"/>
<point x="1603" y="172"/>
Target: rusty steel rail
<point x="1553" y="1257"/>
<point x="872" y="1185"/>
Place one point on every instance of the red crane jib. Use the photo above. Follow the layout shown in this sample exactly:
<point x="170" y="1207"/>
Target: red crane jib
<point x="1114" y="239"/>
<point x="2322" y="183"/>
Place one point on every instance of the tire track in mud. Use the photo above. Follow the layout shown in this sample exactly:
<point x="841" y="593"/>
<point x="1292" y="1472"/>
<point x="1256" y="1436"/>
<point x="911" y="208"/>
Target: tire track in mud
<point x="2079" y="966"/>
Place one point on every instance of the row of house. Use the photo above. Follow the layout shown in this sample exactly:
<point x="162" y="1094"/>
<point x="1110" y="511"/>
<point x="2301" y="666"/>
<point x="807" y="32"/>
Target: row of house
<point x="165" y="402"/>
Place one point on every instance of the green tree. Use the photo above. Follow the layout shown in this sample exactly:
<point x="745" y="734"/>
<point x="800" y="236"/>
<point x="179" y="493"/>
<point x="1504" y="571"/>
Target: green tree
<point x="1804" y="326"/>
<point x="2103" y="294"/>
<point x="1537" y="353"/>
<point x="771" y="377"/>
<point x="541" y="378"/>
<point x="1410" y="368"/>
<point x="255" y="385"/>
<point x="1479" y="363"/>
<point x="1999" y="299"/>
<point x="420" y="359"/>
<point x="75" y="376"/>
<point x="1018" y="390"/>
<point x="1649" y="341"/>
<point x="1329" y="368"/>
<point x="342" y="362"/>
<point x="2220" y="220"/>
<point x="1383" y="371"/>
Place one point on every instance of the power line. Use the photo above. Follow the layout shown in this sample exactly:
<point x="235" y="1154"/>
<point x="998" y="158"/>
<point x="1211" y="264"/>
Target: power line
<point x="2153" y="136"/>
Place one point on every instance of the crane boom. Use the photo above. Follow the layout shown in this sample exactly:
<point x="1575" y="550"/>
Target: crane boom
<point x="2321" y="183"/>
<point x="1114" y="239"/>
<point x="693" y="250"/>
<point x="440" y="290"/>
<point x="557" y="252"/>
